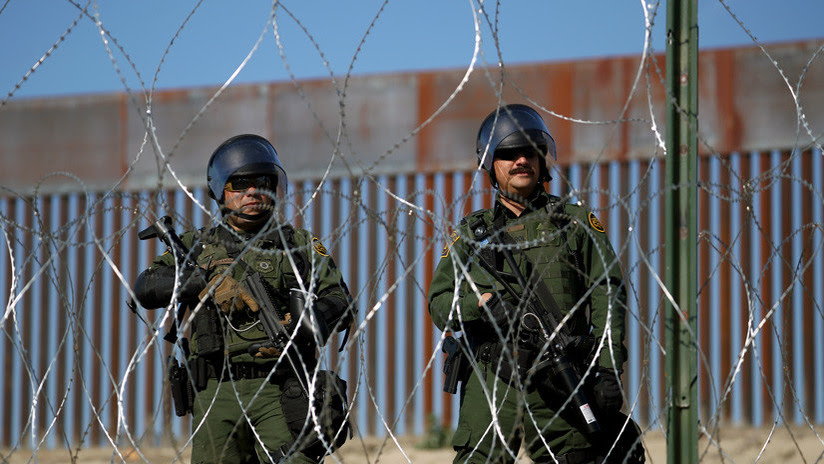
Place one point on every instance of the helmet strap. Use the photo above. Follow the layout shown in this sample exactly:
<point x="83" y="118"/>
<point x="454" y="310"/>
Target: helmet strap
<point x="492" y="179"/>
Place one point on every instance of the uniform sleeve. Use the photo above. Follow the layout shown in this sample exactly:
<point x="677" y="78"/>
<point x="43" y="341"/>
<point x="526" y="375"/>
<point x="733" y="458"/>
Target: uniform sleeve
<point x="155" y="285"/>
<point x="449" y="280"/>
<point x="608" y="298"/>
<point x="167" y="259"/>
<point x="334" y="302"/>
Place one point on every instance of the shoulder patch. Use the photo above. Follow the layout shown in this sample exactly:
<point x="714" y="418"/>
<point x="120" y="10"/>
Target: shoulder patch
<point x="317" y="246"/>
<point x="453" y="237"/>
<point x="595" y="223"/>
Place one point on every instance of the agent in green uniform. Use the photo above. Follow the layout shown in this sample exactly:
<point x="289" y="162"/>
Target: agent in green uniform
<point x="511" y="394"/>
<point x="241" y="413"/>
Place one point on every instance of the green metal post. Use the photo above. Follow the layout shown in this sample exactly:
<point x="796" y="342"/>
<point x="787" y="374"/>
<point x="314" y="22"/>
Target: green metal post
<point x="682" y="231"/>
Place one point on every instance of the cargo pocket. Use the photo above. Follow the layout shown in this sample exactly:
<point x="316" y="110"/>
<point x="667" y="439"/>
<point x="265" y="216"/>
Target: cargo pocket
<point x="460" y="439"/>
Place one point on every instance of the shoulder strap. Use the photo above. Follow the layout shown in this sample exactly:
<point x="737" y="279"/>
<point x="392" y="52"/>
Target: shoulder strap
<point x="174" y="327"/>
<point x="563" y="221"/>
<point x="299" y="254"/>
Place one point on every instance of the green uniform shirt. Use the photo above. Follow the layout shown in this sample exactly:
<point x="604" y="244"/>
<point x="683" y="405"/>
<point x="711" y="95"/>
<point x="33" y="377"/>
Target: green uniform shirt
<point x="566" y="245"/>
<point x="220" y="251"/>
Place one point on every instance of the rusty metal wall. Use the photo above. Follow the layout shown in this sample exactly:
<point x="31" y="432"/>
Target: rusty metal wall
<point x="79" y="363"/>
<point x="597" y="109"/>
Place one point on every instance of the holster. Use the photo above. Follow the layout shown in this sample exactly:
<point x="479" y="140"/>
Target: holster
<point x="183" y="395"/>
<point x="207" y="330"/>
<point x="456" y="366"/>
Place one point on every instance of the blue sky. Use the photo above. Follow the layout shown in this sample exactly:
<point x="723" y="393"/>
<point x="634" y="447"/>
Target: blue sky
<point x="320" y="37"/>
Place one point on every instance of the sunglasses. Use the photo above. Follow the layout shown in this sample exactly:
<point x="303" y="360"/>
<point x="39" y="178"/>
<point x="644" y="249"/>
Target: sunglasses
<point x="241" y="184"/>
<point x="510" y="154"/>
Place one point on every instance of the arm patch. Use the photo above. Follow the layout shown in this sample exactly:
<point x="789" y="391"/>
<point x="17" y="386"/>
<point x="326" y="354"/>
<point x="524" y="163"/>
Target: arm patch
<point x="318" y="247"/>
<point x="595" y="223"/>
<point x="453" y="237"/>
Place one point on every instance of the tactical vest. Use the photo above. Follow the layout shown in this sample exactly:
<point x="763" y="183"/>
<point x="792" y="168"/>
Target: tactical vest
<point x="541" y="241"/>
<point x="222" y="252"/>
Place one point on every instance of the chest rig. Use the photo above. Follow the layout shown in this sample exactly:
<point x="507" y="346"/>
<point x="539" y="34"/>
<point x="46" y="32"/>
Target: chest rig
<point x="496" y="231"/>
<point x="225" y="249"/>
<point x="221" y="250"/>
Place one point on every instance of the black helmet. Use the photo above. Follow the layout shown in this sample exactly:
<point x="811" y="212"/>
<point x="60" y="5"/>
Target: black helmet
<point x="245" y="154"/>
<point x="513" y="126"/>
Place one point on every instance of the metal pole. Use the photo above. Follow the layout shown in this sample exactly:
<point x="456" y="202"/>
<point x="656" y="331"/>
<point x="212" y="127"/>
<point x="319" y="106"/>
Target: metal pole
<point x="682" y="231"/>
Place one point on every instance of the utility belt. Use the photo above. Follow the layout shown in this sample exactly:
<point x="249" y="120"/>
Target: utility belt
<point x="188" y="378"/>
<point x="244" y="370"/>
<point x="510" y="363"/>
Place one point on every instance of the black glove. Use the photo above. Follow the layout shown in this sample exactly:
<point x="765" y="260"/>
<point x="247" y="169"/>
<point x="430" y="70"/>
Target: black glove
<point x="607" y="391"/>
<point x="193" y="282"/>
<point x="499" y="313"/>
<point x="312" y="328"/>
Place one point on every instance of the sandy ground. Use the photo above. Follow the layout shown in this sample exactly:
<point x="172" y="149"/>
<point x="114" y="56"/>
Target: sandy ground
<point x="734" y="445"/>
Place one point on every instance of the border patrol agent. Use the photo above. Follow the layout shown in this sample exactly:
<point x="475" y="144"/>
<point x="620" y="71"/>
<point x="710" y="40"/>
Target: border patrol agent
<point x="557" y="245"/>
<point x="243" y="383"/>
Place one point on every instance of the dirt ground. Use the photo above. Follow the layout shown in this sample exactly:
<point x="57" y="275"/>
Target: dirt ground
<point x="734" y="445"/>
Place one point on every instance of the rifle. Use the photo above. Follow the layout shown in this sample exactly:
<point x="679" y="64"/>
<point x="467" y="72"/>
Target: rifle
<point x="280" y="330"/>
<point x="179" y="383"/>
<point x="272" y="324"/>
<point x="557" y="354"/>
<point x="162" y="229"/>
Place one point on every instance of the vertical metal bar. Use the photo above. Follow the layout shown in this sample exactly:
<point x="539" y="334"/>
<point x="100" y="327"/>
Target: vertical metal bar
<point x="36" y="320"/>
<point x="15" y="326"/>
<point x="381" y="324"/>
<point x="736" y="303"/>
<point x="818" y="292"/>
<point x="344" y="252"/>
<point x="653" y="321"/>
<point x="53" y="309"/>
<point x="633" y="378"/>
<point x="422" y="406"/>
<point x="6" y="261"/>
<point x="796" y="263"/>
<point x="103" y="313"/>
<point x="753" y="302"/>
<point x="439" y="210"/>
<point x="360" y="195"/>
<point x="775" y="309"/>
<point x="401" y="308"/>
<point x="681" y="230"/>
<point x="715" y="372"/>
<point x="124" y="345"/>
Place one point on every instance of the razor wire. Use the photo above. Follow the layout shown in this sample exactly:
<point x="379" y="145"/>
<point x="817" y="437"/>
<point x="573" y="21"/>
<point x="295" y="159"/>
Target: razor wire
<point x="83" y="372"/>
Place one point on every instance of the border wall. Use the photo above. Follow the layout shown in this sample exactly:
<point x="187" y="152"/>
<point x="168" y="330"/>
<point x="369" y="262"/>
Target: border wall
<point x="81" y="175"/>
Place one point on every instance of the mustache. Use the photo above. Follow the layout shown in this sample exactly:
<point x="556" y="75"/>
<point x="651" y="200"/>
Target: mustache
<point x="521" y="170"/>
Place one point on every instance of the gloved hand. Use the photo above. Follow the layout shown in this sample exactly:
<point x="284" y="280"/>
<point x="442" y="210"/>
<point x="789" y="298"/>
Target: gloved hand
<point x="267" y="352"/>
<point x="312" y="327"/>
<point x="607" y="391"/>
<point x="230" y="295"/>
<point x="499" y="313"/>
<point x="194" y="281"/>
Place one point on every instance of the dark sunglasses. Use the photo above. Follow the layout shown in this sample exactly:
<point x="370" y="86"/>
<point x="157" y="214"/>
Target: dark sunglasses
<point x="241" y="184"/>
<point x="510" y="154"/>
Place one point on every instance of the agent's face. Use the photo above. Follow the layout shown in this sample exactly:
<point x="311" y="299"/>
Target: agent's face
<point x="517" y="171"/>
<point x="250" y="200"/>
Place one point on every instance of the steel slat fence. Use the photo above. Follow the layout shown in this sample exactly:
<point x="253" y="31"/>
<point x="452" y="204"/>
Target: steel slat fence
<point x="80" y="367"/>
